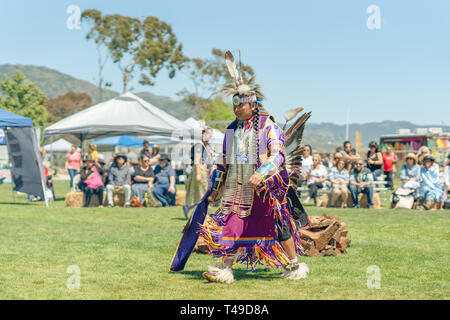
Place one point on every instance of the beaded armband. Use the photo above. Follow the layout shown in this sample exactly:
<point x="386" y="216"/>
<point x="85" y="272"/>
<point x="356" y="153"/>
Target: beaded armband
<point x="219" y="177"/>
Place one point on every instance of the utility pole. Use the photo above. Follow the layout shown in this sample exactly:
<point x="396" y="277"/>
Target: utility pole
<point x="346" y="125"/>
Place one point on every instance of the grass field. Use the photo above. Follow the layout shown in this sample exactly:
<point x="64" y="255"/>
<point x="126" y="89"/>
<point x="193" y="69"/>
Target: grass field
<point x="125" y="254"/>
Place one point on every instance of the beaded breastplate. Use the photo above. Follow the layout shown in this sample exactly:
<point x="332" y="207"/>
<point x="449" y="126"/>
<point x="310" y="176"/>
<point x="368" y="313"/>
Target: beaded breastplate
<point x="238" y="196"/>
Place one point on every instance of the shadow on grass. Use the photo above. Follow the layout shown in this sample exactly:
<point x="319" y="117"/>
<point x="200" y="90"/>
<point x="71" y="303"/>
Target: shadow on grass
<point x="239" y="274"/>
<point x="180" y="219"/>
<point x="19" y="203"/>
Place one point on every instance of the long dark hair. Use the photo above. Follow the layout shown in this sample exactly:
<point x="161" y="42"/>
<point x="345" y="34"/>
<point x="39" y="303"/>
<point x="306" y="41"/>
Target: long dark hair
<point x="374" y="144"/>
<point x="256" y="128"/>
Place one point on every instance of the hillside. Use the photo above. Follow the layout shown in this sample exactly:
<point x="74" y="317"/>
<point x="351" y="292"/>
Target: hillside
<point x="55" y="83"/>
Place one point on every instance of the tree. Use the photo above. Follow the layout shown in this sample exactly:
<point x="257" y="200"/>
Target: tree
<point x="97" y="33"/>
<point x="24" y="98"/>
<point x="208" y="76"/>
<point x="217" y="109"/>
<point x="148" y="45"/>
<point x="67" y="104"/>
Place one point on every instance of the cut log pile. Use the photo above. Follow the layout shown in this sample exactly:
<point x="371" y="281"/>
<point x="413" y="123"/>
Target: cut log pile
<point x="326" y="235"/>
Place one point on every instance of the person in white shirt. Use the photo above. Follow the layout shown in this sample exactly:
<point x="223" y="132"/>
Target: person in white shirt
<point x="315" y="178"/>
<point x="307" y="161"/>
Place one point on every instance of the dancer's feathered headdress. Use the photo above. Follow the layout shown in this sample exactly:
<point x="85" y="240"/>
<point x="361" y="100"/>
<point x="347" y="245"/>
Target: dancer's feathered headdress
<point x="242" y="92"/>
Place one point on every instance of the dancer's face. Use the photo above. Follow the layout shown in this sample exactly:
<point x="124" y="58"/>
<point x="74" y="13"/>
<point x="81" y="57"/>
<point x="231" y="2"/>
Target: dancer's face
<point x="244" y="111"/>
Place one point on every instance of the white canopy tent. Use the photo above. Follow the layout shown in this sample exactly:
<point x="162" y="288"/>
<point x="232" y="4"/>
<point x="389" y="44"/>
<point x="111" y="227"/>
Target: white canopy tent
<point x="126" y="114"/>
<point x="60" y="145"/>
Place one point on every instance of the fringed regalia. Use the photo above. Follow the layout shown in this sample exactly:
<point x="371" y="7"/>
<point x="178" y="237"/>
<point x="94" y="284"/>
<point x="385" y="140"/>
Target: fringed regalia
<point x="248" y="223"/>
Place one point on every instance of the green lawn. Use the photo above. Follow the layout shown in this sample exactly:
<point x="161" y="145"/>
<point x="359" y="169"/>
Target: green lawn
<point x="125" y="254"/>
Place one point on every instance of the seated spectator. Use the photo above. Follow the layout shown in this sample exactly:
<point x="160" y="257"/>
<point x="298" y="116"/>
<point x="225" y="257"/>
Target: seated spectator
<point x="446" y="180"/>
<point x="306" y="165"/>
<point x="389" y="159"/>
<point x="164" y="182"/>
<point x="315" y="179"/>
<point x="339" y="178"/>
<point x="91" y="181"/>
<point x="421" y="153"/>
<point x="374" y="159"/>
<point x="430" y="191"/>
<point x="410" y="173"/>
<point x="361" y="181"/>
<point x="328" y="160"/>
<point x="142" y="179"/>
<point x="119" y="180"/>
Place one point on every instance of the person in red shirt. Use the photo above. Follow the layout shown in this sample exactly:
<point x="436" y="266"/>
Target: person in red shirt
<point x="389" y="159"/>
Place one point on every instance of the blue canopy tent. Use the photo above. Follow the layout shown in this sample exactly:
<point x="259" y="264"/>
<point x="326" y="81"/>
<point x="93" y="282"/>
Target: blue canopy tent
<point x="27" y="171"/>
<point x="123" y="141"/>
<point x="9" y="119"/>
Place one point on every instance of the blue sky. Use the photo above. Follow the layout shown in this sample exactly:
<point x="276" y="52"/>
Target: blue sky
<point x="315" y="54"/>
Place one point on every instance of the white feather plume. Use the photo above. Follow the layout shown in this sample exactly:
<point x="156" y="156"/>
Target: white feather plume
<point x="289" y="115"/>
<point x="231" y="64"/>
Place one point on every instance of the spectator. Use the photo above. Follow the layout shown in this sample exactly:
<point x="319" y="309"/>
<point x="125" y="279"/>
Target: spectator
<point x="111" y="160"/>
<point x="146" y="150"/>
<point x="73" y="164"/>
<point x="155" y="156"/>
<point x="164" y="182"/>
<point x="328" y="160"/>
<point x="339" y="178"/>
<point x="142" y="179"/>
<point x="374" y="159"/>
<point x="361" y="181"/>
<point x="446" y="180"/>
<point x="347" y="155"/>
<point x="410" y="173"/>
<point x="430" y="191"/>
<point x="91" y="181"/>
<point x="197" y="183"/>
<point x="389" y="159"/>
<point x="421" y="153"/>
<point x="315" y="179"/>
<point x="92" y="151"/>
<point x="307" y="162"/>
<point x="102" y="165"/>
<point x="132" y="158"/>
<point x="119" y="180"/>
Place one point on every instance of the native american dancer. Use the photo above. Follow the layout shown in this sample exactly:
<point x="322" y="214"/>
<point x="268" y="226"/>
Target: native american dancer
<point x="254" y="223"/>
